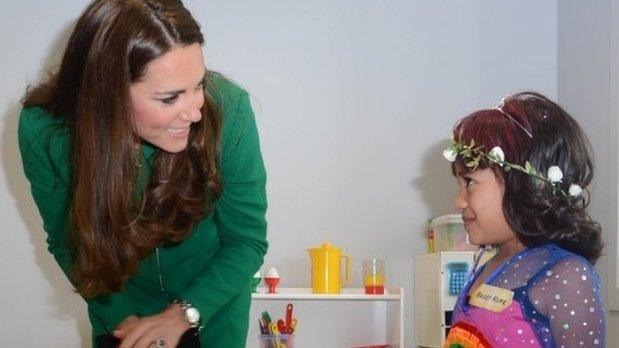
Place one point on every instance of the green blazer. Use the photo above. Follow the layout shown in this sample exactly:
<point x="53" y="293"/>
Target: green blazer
<point x="212" y="268"/>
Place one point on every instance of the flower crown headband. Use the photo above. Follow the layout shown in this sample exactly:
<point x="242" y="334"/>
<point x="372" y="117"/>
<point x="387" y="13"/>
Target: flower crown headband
<point x="472" y="155"/>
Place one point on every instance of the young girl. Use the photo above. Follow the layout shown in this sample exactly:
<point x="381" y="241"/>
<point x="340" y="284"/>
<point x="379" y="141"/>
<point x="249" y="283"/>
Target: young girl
<point x="522" y="169"/>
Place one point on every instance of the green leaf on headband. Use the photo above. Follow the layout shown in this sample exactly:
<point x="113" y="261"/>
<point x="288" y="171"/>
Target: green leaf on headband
<point x="528" y="167"/>
<point x="473" y="163"/>
<point x="518" y="167"/>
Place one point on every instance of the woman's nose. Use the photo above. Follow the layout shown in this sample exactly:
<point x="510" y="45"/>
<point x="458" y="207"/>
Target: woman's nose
<point x="191" y="115"/>
<point x="192" y="112"/>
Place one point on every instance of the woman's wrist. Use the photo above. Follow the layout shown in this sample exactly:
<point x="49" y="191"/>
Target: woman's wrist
<point x="188" y="312"/>
<point x="175" y="310"/>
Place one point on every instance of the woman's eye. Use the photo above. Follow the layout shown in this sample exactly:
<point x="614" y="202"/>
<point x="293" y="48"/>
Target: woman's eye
<point x="200" y="85"/>
<point x="169" y="100"/>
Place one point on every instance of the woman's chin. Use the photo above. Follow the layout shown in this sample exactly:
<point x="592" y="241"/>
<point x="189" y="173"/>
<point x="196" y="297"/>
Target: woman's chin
<point x="172" y="147"/>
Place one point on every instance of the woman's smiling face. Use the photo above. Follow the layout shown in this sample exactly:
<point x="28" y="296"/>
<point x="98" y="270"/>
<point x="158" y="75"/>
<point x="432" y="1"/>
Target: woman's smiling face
<point x="168" y="98"/>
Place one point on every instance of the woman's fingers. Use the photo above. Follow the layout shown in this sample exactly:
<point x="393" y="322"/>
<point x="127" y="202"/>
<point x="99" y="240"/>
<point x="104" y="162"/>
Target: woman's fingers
<point x="126" y="326"/>
<point x="136" y="334"/>
<point x="168" y="325"/>
<point x="150" y="338"/>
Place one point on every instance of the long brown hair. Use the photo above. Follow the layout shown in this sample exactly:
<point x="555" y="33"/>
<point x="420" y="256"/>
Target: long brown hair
<point x="114" y="220"/>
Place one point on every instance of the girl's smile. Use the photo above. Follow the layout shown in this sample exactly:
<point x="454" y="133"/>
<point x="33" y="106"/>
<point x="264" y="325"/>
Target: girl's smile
<point x="480" y="200"/>
<point x="467" y="220"/>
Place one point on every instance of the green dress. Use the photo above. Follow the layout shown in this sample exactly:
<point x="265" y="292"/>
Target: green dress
<point x="212" y="268"/>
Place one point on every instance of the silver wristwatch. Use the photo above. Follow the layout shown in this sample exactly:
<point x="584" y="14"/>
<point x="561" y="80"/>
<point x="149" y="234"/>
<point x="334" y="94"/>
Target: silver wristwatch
<point x="192" y="315"/>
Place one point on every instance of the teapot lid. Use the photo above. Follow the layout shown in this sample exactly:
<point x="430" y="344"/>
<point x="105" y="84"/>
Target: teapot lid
<point x="327" y="246"/>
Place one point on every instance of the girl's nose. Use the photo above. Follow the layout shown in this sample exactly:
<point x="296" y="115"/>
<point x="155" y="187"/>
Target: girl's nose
<point x="460" y="202"/>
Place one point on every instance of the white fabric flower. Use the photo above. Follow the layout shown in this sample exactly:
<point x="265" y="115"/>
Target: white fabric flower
<point x="497" y="155"/>
<point x="575" y="190"/>
<point x="450" y="154"/>
<point x="555" y="174"/>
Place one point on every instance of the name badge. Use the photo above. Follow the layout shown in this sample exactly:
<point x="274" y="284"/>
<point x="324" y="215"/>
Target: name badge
<point x="491" y="298"/>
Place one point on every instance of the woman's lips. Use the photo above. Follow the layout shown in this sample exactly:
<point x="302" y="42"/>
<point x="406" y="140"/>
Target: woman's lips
<point x="178" y="132"/>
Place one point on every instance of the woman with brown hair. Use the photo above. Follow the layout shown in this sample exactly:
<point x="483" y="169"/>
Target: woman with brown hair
<point x="147" y="172"/>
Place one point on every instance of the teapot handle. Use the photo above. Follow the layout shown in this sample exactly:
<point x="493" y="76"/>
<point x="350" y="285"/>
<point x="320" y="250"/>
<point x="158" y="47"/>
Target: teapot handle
<point x="348" y="268"/>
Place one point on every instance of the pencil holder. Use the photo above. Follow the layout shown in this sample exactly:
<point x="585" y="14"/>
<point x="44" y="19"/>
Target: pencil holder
<point x="277" y="341"/>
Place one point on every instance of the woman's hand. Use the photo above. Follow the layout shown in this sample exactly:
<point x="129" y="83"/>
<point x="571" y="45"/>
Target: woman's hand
<point x="168" y="326"/>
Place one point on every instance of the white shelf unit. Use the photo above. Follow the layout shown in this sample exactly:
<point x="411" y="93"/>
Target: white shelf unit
<point x="348" y="319"/>
<point x="433" y="303"/>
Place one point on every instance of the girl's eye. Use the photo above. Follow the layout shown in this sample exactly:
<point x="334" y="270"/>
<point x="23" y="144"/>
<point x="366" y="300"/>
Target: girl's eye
<point x="169" y="100"/>
<point x="468" y="182"/>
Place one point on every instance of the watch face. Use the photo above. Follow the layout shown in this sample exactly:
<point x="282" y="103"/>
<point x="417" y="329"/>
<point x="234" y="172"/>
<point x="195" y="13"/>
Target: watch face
<point x="192" y="315"/>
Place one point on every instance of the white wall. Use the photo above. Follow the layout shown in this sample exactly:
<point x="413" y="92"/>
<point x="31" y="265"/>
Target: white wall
<point x="355" y="100"/>
<point x="358" y="99"/>
<point x="584" y="88"/>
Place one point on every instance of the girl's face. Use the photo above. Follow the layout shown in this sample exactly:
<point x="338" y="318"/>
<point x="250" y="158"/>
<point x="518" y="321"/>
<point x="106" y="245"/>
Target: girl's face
<point x="168" y="98"/>
<point x="480" y="199"/>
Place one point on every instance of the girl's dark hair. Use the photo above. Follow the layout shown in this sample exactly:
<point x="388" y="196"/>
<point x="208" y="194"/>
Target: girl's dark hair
<point x="532" y="210"/>
<point x="115" y="222"/>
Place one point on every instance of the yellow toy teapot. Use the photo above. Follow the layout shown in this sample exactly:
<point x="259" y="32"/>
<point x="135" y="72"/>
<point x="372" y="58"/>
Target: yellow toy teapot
<point x="326" y="261"/>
